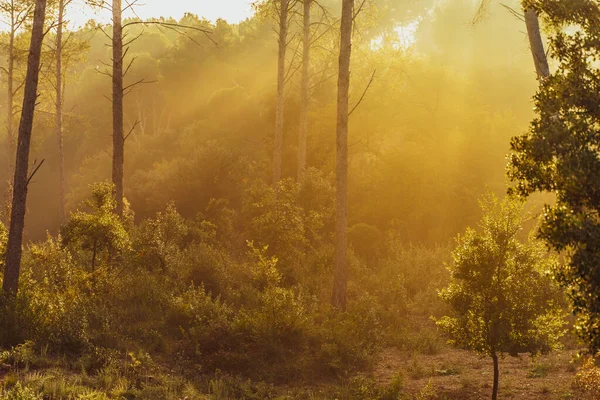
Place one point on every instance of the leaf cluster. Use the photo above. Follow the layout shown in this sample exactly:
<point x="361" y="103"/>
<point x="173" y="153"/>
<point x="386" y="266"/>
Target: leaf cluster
<point x="560" y="154"/>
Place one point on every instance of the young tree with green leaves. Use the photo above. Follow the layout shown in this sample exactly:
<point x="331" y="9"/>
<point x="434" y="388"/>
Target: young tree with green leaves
<point x="559" y="155"/>
<point x="99" y="231"/>
<point x="502" y="298"/>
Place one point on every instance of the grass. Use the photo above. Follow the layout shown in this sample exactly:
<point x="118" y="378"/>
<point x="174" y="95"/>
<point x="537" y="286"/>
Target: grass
<point x="399" y="375"/>
<point x="540" y="369"/>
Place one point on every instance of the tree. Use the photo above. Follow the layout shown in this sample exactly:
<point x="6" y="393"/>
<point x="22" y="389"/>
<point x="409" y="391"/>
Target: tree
<point x="283" y="11"/>
<point x="59" y="105"/>
<point x="100" y="231"/>
<point x="59" y="101"/>
<point x="119" y="90"/>
<point x="532" y="23"/>
<point x="22" y="176"/>
<point x="559" y="155"/>
<point x="18" y="12"/>
<point x="118" y="165"/>
<point x="64" y="51"/>
<point x="501" y="296"/>
<point x="535" y="42"/>
<point x="306" y="39"/>
<point x="340" y="282"/>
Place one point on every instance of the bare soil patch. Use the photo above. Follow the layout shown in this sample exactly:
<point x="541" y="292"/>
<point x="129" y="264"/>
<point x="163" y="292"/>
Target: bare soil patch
<point x="459" y="374"/>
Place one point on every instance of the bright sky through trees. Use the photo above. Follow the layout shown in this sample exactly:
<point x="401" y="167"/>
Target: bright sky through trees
<point x="232" y="10"/>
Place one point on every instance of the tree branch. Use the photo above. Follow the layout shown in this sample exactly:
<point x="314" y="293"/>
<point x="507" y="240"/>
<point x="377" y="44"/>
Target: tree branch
<point x="364" y="93"/>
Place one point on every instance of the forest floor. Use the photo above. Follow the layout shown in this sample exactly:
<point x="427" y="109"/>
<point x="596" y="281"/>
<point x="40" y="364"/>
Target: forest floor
<point x="445" y="374"/>
<point x="461" y="375"/>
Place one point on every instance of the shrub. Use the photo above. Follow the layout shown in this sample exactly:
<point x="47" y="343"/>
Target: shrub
<point x="58" y="291"/>
<point x="20" y="392"/>
<point x="159" y="240"/>
<point x="394" y="389"/>
<point x="348" y="341"/>
<point x="19" y="320"/>
<point x="588" y="377"/>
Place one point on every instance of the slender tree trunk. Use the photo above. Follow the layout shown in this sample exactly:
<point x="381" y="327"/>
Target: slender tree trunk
<point x="59" y="108"/>
<point x="496" y="376"/>
<point x="305" y="92"/>
<point x="340" y="283"/>
<point x="278" y="144"/>
<point x="117" y="82"/>
<point x="10" y="76"/>
<point x="535" y="42"/>
<point x="19" y="202"/>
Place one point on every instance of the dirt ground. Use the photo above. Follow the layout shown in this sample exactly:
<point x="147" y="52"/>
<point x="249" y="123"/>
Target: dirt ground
<point x="457" y="375"/>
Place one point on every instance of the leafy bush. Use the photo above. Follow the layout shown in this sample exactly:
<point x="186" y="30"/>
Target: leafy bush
<point x="588" y="377"/>
<point x="394" y="389"/>
<point x="20" y="392"/>
<point x="58" y="290"/>
<point x="19" y="320"/>
<point x="159" y="240"/>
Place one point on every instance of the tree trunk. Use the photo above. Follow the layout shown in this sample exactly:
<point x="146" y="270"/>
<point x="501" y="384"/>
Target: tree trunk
<point x="19" y="201"/>
<point x="302" y="138"/>
<point x="59" y="109"/>
<point x="496" y="376"/>
<point x="535" y="42"/>
<point x="117" y="82"/>
<point x="340" y="283"/>
<point x="278" y="140"/>
<point x="10" y="76"/>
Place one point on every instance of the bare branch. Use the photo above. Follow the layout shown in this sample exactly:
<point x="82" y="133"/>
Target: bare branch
<point x="35" y="171"/>
<point x="364" y="93"/>
<point x="132" y="129"/>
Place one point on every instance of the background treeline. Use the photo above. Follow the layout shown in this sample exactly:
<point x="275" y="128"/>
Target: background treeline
<point x="430" y="135"/>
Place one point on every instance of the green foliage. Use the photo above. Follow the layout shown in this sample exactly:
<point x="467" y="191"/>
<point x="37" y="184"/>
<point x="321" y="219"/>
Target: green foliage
<point x="56" y="291"/>
<point x="161" y="238"/>
<point x="19" y="320"/>
<point x="19" y="392"/>
<point x="100" y="230"/>
<point x="501" y="296"/>
<point x="588" y="377"/>
<point x="277" y="221"/>
<point x="3" y="241"/>
<point x="394" y="388"/>
<point x="290" y="218"/>
<point x="559" y="155"/>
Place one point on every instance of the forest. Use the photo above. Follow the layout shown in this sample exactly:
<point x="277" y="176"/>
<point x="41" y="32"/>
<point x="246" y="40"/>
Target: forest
<point x="330" y="199"/>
